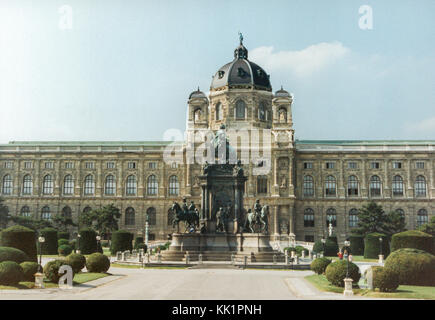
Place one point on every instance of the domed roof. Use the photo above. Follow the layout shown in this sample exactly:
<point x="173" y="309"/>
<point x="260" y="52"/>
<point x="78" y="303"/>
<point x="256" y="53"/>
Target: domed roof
<point x="241" y="71"/>
<point x="282" y="93"/>
<point x="197" y="94"/>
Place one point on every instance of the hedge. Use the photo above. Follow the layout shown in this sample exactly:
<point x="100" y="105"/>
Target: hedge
<point x="29" y="270"/>
<point x="385" y="279"/>
<point x="50" y="244"/>
<point x="65" y="250"/>
<point x="413" y="266"/>
<point x="371" y="245"/>
<point x="97" y="262"/>
<point x="62" y="242"/>
<point x="356" y="245"/>
<point x="413" y="239"/>
<point x="11" y="273"/>
<point x="318" y="246"/>
<point x="319" y="265"/>
<point x="12" y="254"/>
<point x="21" y="238"/>
<point x="331" y="246"/>
<point x="77" y="261"/>
<point x="138" y="241"/>
<point x="63" y="235"/>
<point x="121" y="241"/>
<point x="336" y="272"/>
<point x="88" y="241"/>
<point x="51" y="270"/>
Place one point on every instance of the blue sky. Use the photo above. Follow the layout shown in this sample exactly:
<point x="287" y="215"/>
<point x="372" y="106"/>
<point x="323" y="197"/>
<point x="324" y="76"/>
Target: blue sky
<point x="125" y="69"/>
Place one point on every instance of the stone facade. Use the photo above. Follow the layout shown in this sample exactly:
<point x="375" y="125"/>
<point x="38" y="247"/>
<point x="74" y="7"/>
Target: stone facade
<point x="83" y="175"/>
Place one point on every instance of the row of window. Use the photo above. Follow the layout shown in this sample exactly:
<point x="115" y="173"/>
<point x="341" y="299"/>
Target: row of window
<point x="331" y="217"/>
<point x="89" y="185"/>
<point x="373" y="165"/>
<point x="375" y="186"/>
<point x="88" y="165"/>
<point x="240" y="111"/>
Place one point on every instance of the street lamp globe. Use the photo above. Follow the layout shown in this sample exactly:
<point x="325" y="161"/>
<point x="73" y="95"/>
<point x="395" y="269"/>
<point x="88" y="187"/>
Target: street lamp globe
<point x="41" y="239"/>
<point x="98" y="238"/>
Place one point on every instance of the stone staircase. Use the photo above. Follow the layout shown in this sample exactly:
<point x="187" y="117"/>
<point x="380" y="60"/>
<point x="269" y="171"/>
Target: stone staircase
<point x="267" y="257"/>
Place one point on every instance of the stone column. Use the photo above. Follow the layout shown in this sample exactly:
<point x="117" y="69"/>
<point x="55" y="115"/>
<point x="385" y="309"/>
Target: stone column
<point x="203" y="203"/>
<point x="275" y="220"/>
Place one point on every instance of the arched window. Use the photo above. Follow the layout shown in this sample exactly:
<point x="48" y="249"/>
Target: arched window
<point x="87" y="209"/>
<point x="68" y="184"/>
<point x="151" y="213"/>
<point x="261" y="184"/>
<point x="130" y="217"/>
<point x="422" y="217"/>
<point x="7" y="184"/>
<point x="240" y="109"/>
<point x="420" y="187"/>
<point x="171" y="217"/>
<point x="330" y="186"/>
<point x="331" y="216"/>
<point x="89" y="185"/>
<point x="401" y="212"/>
<point x="152" y="185"/>
<point x="131" y="185"/>
<point x="353" y="217"/>
<point x="308" y="186"/>
<point x="375" y="186"/>
<point x="66" y="212"/>
<point x="109" y="185"/>
<point x="173" y="186"/>
<point x="352" y="186"/>
<point x="25" y="212"/>
<point x="218" y="110"/>
<point x="27" y="184"/>
<point x="309" y="217"/>
<point x="397" y="186"/>
<point x="45" y="213"/>
<point x="262" y="111"/>
<point x="47" y="184"/>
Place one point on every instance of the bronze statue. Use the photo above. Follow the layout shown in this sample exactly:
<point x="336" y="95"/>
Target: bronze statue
<point x="257" y="220"/>
<point x="190" y="217"/>
<point x="221" y="220"/>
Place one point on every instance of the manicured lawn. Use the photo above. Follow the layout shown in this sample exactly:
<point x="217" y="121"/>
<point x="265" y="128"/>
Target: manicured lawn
<point x="403" y="291"/>
<point x="88" y="276"/>
<point x="356" y="258"/>
<point x="106" y="251"/>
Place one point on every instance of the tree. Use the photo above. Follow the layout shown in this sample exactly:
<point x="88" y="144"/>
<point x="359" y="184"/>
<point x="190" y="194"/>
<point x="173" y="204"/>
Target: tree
<point x="371" y="218"/>
<point x="103" y="220"/>
<point x="61" y="222"/>
<point x="395" y="223"/>
<point x="34" y="224"/>
<point x="4" y="215"/>
<point x="428" y="227"/>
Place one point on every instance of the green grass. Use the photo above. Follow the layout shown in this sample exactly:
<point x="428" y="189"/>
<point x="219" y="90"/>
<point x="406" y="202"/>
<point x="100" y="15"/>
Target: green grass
<point x="106" y="251"/>
<point x="403" y="291"/>
<point x="88" y="276"/>
<point x="355" y="258"/>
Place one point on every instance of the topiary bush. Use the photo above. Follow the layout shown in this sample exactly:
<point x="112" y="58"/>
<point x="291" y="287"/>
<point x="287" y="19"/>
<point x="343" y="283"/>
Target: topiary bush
<point x="356" y="245"/>
<point x="97" y="262"/>
<point x="371" y="245"/>
<point x="142" y="246"/>
<point x="385" y="279"/>
<point x="12" y="254"/>
<point x="413" y="239"/>
<point x="73" y="244"/>
<point x="29" y="270"/>
<point x="121" y="241"/>
<point x="63" y="235"/>
<point x="77" y="261"/>
<point x="88" y="241"/>
<point x="11" y="273"/>
<point x="319" y="265"/>
<point x="50" y="244"/>
<point x="51" y="270"/>
<point x="413" y="266"/>
<point x="65" y="250"/>
<point x="336" y="272"/>
<point x="138" y="241"/>
<point x="331" y="246"/>
<point x="318" y="246"/>
<point x="299" y="250"/>
<point x="62" y="242"/>
<point x="21" y="238"/>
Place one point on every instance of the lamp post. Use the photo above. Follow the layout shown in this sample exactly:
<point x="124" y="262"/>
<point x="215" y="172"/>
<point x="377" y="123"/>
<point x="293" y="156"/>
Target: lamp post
<point x="98" y="242"/>
<point x="347" y="281"/>
<point x="41" y="240"/>
<point x="381" y="256"/>
<point x="39" y="276"/>
<point x="78" y="243"/>
<point x="323" y="243"/>
<point x="146" y="230"/>
<point x="346" y="256"/>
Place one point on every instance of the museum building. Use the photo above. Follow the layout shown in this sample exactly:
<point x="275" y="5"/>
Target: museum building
<point x="310" y="184"/>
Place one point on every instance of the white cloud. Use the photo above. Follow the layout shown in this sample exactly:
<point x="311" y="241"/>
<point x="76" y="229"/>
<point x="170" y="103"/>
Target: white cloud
<point x="302" y="63"/>
<point x="425" y="126"/>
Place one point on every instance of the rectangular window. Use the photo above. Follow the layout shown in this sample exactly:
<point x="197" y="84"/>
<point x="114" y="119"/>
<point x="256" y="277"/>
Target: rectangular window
<point x="309" y="238"/>
<point x="131" y="165"/>
<point x="308" y="165"/>
<point x="69" y="165"/>
<point x="110" y="165"/>
<point x="397" y="165"/>
<point x="9" y="164"/>
<point x="28" y="165"/>
<point x="330" y="165"/>
<point x="174" y="165"/>
<point x="374" y="165"/>
<point x="352" y="165"/>
<point x="152" y="165"/>
<point x="89" y="165"/>
<point x="48" y="165"/>
<point x="419" y="165"/>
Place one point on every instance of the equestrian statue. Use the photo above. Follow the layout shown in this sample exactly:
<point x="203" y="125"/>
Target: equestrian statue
<point x="188" y="214"/>
<point x="257" y="220"/>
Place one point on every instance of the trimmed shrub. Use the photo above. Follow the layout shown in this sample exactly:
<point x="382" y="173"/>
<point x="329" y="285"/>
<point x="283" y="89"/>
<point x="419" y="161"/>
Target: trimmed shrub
<point x="51" y="270"/>
<point x="331" y="246"/>
<point x="290" y="249"/>
<point x="318" y="246"/>
<point x="413" y="266"/>
<point x="88" y="241"/>
<point x="11" y="273"/>
<point x="356" y="245"/>
<point x="21" y="238"/>
<point x="299" y="250"/>
<point x="385" y="279"/>
<point x="50" y="244"/>
<point x="413" y="239"/>
<point x="73" y="244"/>
<point x="105" y="243"/>
<point x="63" y="235"/>
<point x="12" y="254"/>
<point x="29" y="270"/>
<point x="336" y="272"/>
<point x="372" y="245"/>
<point x="121" y="241"/>
<point x="65" y="250"/>
<point x="97" y="262"/>
<point x="138" y="241"/>
<point x="77" y="261"/>
<point x="62" y="242"/>
<point x="319" y="265"/>
<point x="142" y="246"/>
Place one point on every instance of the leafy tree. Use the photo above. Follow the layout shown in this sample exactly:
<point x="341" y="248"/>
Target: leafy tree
<point x="4" y="215"/>
<point x="29" y="222"/>
<point x="428" y="227"/>
<point x="395" y="223"/>
<point x="371" y="218"/>
<point x="61" y="222"/>
<point x="103" y="220"/>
